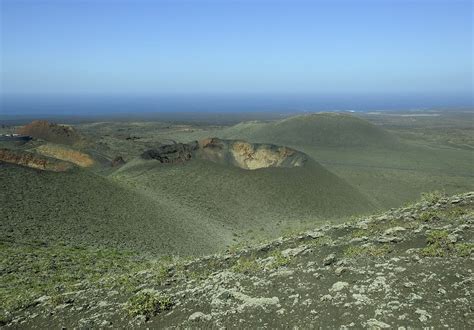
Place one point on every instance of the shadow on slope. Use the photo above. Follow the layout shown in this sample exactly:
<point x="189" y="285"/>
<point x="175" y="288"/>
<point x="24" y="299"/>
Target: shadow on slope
<point x="82" y="208"/>
<point x="252" y="204"/>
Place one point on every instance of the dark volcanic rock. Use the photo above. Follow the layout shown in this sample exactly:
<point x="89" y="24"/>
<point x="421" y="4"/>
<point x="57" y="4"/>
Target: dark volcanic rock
<point x="117" y="161"/>
<point x="249" y="156"/>
<point x="172" y="153"/>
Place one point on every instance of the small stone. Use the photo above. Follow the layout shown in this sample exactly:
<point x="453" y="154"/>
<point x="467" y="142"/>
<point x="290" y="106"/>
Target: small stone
<point x="339" y="271"/>
<point x="225" y="295"/>
<point x="293" y="252"/>
<point x="452" y="238"/>
<point x="281" y="311"/>
<point x="314" y="234"/>
<point x="326" y="297"/>
<point x="359" y="239"/>
<point x="105" y="323"/>
<point x="389" y="239"/>
<point x="338" y="286"/>
<point x="42" y="299"/>
<point x="329" y="259"/>
<point x="103" y="303"/>
<point x="424" y="316"/>
<point x="394" y="230"/>
<point x="373" y="323"/>
<point x="199" y="316"/>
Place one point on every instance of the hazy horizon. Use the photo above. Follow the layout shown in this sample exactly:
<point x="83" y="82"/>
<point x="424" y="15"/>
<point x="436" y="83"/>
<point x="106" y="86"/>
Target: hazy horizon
<point x="89" y="104"/>
<point x="307" y="55"/>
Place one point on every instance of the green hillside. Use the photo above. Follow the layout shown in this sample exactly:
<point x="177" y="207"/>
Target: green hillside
<point x="82" y="208"/>
<point x="250" y="203"/>
<point x="322" y="130"/>
<point x="387" y="169"/>
<point x="195" y="208"/>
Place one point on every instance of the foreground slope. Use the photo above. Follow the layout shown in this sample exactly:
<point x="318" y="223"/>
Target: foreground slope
<point x="409" y="267"/>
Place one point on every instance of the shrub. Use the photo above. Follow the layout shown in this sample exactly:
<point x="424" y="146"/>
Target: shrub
<point x="433" y="250"/>
<point x="464" y="249"/>
<point x="148" y="303"/>
<point x="246" y="266"/>
<point x="429" y="216"/>
<point x="279" y="260"/>
<point x="438" y="237"/>
<point x="438" y="244"/>
<point x="432" y="197"/>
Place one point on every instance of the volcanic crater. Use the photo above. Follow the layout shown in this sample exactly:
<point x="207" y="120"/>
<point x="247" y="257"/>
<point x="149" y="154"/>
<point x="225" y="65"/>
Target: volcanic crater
<point x="242" y="154"/>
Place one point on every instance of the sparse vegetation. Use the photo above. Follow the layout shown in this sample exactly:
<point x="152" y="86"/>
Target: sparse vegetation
<point x="278" y="260"/>
<point x="438" y="244"/>
<point x="247" y="265"/>
<point x="464" y="249"/>
<point x="359" y="233"/>
<point x="148" y="303"/>
<point x="54" y="270"/>
<point x="429" y="216"/>
<point x="432" y="196"/>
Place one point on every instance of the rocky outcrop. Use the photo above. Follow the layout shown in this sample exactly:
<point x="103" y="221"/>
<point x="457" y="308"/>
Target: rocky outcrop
<point x="32" y="160"/>
<point x="67" y="154"/>
<point x="42" y="129"/>
<point x="172" y="153"/>
<point x="249" y="156"/>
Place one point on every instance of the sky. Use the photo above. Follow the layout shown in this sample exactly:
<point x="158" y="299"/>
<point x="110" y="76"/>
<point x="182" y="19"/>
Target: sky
<point x="145" y="47"/>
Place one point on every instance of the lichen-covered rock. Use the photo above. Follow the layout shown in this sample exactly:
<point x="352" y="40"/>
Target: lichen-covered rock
<point x="199" y="316"/>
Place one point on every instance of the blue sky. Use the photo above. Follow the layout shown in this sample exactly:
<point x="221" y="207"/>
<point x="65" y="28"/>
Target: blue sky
<point x="249" y="46"/>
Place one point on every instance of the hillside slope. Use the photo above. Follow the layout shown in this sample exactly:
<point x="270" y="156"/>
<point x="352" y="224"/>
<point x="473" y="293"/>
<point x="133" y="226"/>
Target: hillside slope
<point x="410" y="268"/>
<point x="52" y="132"/>
<point x="249" y="203"/>
<point x="191" y="209"/>
<point x="388" y="171"/>
<point x="81" y="208"/>
<point x="321" y="130"/>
